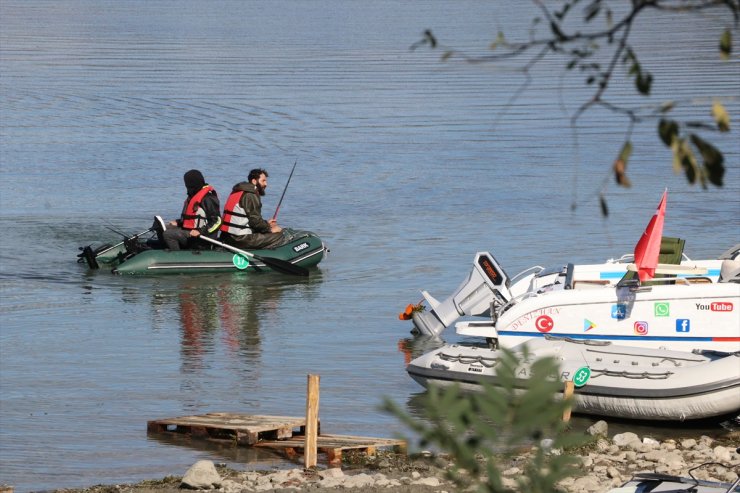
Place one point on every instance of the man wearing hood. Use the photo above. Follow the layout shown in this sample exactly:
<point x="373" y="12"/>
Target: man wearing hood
<point x="243" y="225"/>
<point x="201" y="215"/>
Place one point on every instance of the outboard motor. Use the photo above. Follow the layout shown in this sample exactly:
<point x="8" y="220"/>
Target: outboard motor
<point x="486" y="284"/>
<point x="89" y="255"/>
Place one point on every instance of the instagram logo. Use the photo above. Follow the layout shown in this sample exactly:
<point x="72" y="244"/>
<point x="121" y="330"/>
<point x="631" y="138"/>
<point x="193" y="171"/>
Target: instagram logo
<point x="641" y="328"/>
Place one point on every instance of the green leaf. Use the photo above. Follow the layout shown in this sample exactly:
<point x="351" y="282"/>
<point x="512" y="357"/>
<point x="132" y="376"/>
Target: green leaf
<point x="562" y="13"/>
<point x="643" y="83"/>
<point x="668" y="131"/>
<point x="643" y="79"/>
<point x="721" y="117"/>
<point x="629" y="55"/>
<point x="667" y="106"/>
<point x="592" y="10"/>
<point x="620" y="165"/>
<point x="676" y="150"/>
<point x="725" y="45"/>
<point x="687" y="161"/>
<point x="604" y="207"/>
<point x="500" y="40"/>
<point x="713" y="160"/>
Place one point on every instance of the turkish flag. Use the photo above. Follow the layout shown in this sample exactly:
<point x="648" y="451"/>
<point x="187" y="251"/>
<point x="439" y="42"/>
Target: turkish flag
<point x="648" y="248"/>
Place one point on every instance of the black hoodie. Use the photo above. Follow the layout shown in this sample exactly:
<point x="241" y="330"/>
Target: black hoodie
<point x="195" y="182"/>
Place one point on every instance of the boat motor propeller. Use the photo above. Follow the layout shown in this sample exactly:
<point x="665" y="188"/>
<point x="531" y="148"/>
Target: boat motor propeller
<point x="88" y="255"/>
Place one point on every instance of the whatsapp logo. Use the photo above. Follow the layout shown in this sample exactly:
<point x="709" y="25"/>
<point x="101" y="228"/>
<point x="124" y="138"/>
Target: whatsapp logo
<point x="662" y="309"/>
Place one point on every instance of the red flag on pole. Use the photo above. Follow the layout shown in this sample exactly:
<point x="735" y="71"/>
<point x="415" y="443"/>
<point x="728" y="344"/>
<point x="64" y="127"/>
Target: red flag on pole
<point x="648" y="248"/>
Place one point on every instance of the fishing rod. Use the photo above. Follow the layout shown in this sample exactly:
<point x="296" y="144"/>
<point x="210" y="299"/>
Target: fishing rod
<point x="110" y="228"/>
<point x="284" y="190"/>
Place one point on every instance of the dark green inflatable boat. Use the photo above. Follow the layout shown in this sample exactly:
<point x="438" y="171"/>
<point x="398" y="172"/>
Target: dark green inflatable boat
<point x="137" y="255"/>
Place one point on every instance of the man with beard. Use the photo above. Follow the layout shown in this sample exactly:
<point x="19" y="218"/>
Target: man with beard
<point x="243" y="225"/>
<point x="201" y="215"/>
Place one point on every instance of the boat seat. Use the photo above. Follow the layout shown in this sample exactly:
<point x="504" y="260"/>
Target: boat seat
<point x="671" y="252"/>
<point x="590" y="283"/>
<point x="729" y="271"/>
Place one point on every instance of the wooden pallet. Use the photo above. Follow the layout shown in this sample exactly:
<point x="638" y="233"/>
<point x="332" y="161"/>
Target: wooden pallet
<point x="273" y="432"/>
<point x="244" y="429"/>
<point x="334" y="445"/>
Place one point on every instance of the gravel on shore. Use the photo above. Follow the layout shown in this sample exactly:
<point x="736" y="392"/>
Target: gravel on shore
<point x="607" y="464"/>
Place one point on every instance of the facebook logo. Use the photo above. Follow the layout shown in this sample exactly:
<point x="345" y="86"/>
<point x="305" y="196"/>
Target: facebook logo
<point x="683" y="325"/>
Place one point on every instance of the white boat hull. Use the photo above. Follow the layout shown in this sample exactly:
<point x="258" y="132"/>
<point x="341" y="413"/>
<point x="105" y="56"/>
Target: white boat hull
<point x="626" y="382"/>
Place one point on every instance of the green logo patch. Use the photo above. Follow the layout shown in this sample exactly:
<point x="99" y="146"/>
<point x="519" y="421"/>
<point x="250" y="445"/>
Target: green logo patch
<point x="240" y="261"/>
<point x="581" y="376"/>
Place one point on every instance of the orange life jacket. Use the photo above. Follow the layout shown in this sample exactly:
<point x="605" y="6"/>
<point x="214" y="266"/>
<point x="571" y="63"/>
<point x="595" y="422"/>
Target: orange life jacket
<point x="194" y="216"/>
<point x="235" y="220"/>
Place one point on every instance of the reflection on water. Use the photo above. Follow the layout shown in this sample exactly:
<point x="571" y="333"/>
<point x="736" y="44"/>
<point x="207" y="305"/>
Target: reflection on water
<point x="225" y="450"/>
<point x="413" y="347"/>
<point x="222" y="313"/>
<point x="225" y="309"/>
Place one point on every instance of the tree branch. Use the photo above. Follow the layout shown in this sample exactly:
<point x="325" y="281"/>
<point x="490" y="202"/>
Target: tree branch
<point x="580" y="47"/>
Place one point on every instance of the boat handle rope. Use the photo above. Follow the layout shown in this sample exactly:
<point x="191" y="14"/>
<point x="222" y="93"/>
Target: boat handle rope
<point x="491" y="362"/>
<point x="585" y="342"/>
<point x="467" y="360"/>
<point x="632" y="375"/>
<point x="661" y="359"/>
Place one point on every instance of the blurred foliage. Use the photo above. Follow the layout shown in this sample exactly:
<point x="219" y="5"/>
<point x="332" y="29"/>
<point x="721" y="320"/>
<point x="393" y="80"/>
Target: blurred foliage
<point x="597" y="53"/>
<point x="479" y="429"/>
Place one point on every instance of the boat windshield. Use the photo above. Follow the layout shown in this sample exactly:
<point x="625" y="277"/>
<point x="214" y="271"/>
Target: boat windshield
<point x="548" y="271"/>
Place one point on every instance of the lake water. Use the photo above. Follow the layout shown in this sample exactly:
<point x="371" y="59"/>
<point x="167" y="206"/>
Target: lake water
<point x="406" y="167"/>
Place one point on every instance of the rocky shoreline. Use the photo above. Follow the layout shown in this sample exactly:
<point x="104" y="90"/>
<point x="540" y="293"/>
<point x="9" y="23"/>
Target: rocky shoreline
<point x="607" y="464"/>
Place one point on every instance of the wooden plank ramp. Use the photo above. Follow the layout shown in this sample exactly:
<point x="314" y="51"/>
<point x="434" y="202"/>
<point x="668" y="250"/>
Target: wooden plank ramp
<point x="334" y="445"/>
<point x="244" y="429"/>
<point x="283" y="433"/>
